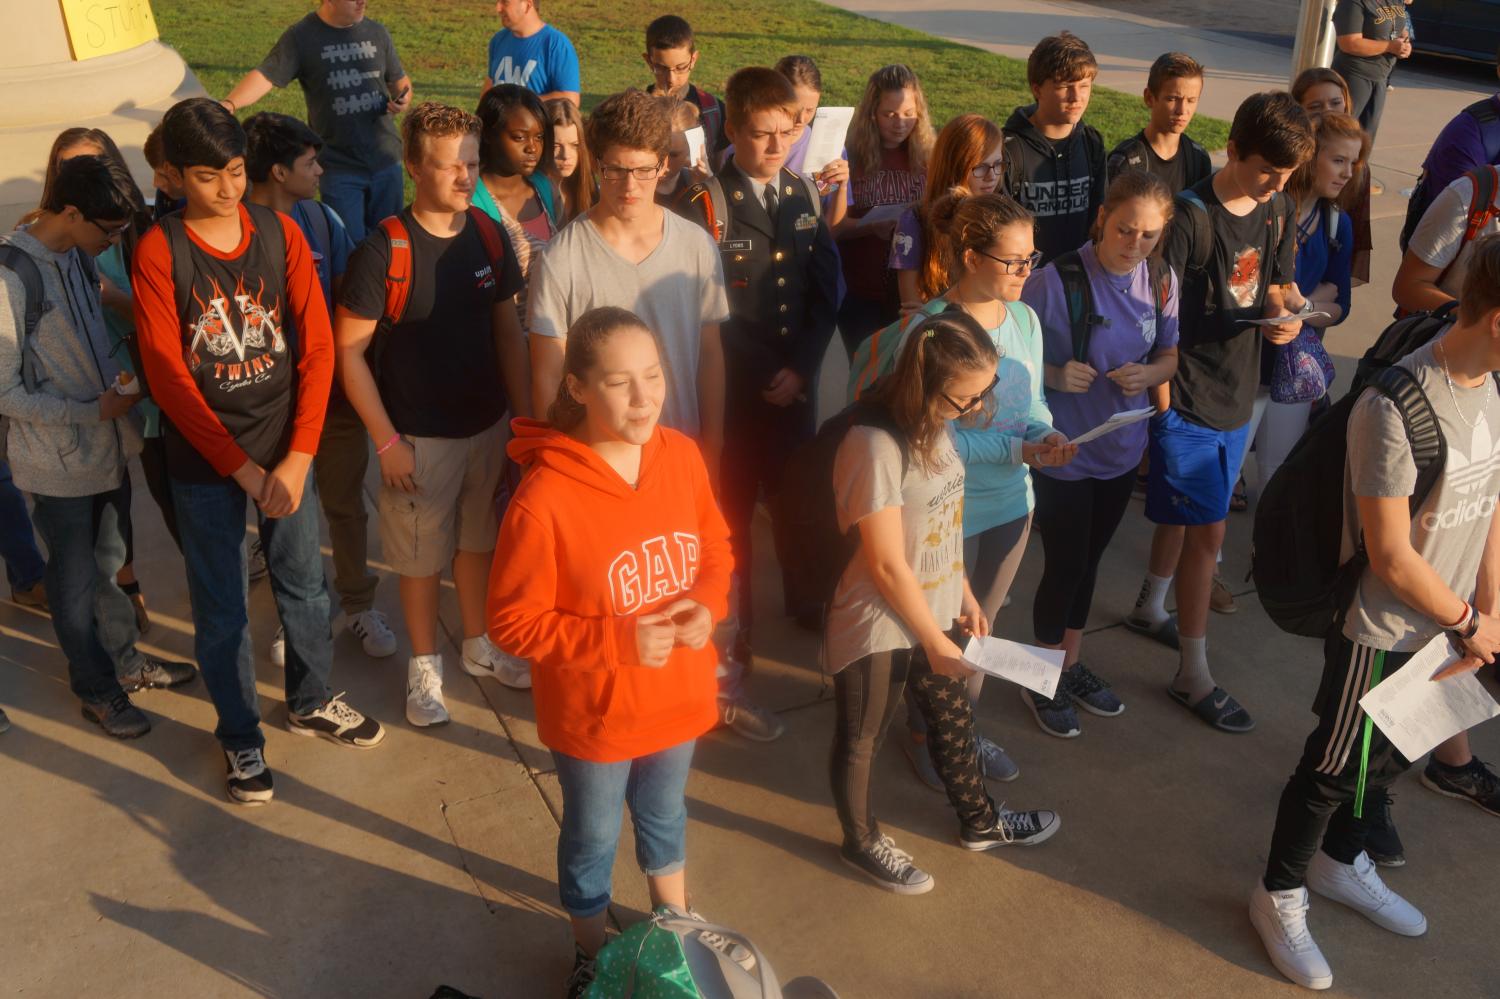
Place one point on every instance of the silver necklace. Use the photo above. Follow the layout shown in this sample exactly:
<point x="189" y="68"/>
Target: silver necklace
<point x="1471" y="424"/>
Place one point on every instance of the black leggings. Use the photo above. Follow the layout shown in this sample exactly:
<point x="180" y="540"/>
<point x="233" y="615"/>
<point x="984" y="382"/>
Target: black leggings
<point x="1076" y="519"/>
<point x="866" y="694"/>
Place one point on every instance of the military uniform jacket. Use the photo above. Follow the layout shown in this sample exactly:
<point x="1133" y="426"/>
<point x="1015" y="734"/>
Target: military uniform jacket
<point x="782" y="279"/>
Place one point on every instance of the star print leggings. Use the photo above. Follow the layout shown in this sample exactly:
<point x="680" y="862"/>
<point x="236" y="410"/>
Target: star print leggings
<point x="867" y="693"/>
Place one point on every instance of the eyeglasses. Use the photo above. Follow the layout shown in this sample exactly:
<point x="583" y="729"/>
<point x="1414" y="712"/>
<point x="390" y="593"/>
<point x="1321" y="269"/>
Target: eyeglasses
<point x="987" y="170"/>
<point x="678" y="70"/>
<point x="974" y="403"/>
<point x="1019" y="265"/>
<point x="109" y="234"/>
<point x="617" y="174"/>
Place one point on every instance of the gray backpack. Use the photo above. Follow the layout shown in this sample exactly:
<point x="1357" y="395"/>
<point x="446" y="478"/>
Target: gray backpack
<point x="19" y="263"/>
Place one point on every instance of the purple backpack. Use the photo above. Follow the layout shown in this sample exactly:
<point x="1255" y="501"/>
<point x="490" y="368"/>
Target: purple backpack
<point x="1303" y="371"/>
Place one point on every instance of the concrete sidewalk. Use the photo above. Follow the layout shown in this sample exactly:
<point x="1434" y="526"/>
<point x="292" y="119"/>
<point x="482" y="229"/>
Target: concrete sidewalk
<point x="431" y="858"/>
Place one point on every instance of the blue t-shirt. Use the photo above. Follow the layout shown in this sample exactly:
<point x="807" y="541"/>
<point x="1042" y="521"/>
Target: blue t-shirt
<point x="330" y="260"/>
<point x="543" y="63"/>
<point x="1317" y="264"/>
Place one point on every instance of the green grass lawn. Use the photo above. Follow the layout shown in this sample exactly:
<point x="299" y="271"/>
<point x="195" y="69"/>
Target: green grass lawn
<point x="444" y="44"/>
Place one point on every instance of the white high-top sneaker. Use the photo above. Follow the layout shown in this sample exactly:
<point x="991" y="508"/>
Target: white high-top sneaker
<point x="1280" y="917"/>
<point x="424" y="691"/>
<point x="1359" y="886"/>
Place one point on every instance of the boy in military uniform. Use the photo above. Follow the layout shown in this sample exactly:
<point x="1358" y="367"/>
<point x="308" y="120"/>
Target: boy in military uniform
<point x="781" y="269"/>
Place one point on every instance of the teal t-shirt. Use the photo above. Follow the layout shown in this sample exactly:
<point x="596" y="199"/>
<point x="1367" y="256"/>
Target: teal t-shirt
<point x="111" y="266"/>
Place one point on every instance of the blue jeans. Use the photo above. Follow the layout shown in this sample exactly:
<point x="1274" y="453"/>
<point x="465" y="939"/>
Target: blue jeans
<point x="23" y="563"/>
<point x="93" y="619"/>
<point x="594" y="796"/>
<point x="211" y="522"/>
<point x="363" y="198"/>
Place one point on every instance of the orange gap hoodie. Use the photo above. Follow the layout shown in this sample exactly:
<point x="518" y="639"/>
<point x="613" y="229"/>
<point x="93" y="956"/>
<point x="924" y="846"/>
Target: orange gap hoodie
<point x="581" y="554"/>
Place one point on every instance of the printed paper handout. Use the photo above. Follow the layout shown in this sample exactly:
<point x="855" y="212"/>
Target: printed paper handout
<point x="697" y="143"/>
<point x="883" y="213"/>
<point x="1031" y="667"/>
<point x="1417" y="712"/>
<point x="829" y="127"/>
<point x="1304" y="316"/>
<point x="1114" y="423"/>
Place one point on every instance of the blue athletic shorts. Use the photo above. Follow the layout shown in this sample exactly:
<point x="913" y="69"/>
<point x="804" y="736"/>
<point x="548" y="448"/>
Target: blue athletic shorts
<point x="1193" y="470"/>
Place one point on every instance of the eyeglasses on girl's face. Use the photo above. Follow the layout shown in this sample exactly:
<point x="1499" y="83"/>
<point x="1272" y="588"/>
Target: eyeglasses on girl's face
<point x="1017" y="265"/>
<point x="973" y="402"/>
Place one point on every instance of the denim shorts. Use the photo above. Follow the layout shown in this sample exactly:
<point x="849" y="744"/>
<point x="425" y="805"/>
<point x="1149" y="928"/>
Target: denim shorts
<point x="1193" y="470"/>
<point x="594" y="800"/>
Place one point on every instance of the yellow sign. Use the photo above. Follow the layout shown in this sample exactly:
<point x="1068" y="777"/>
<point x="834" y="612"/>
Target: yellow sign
<point x="103" y="27"/>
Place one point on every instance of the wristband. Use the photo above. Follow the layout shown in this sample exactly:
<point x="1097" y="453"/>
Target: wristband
<point x="233" y="107"/>
<point x="382" y="449"/>
<point x="1467" y="625"/>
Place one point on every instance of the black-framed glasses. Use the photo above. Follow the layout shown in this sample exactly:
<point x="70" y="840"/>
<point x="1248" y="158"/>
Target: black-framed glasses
<point x="617" y="174"/>
<point x="974" y="403"/>
<point x="109" y="234"/>
<point x="984" y="171"/>
<point x="1018" y="265"/>
<point x="661" y="69"/>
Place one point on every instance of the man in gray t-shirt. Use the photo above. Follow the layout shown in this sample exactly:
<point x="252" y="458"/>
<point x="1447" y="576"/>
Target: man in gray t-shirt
<point x="1431" y="571"/>
<point x="355" y="86"/>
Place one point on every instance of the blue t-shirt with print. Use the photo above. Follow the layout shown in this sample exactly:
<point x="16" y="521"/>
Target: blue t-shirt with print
<point x="543" y="63"/>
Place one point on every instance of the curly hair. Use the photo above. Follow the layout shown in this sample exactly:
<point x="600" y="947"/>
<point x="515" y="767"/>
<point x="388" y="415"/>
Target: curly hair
<point x="433" y="120"/>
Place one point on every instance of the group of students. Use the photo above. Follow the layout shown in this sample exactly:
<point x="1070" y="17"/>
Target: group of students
<point x="642" y="335"/>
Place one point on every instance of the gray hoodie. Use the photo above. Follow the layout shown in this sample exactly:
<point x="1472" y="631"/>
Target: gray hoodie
<point x="57" y="445"/>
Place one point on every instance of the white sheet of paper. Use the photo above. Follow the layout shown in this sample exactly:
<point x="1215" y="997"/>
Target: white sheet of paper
<point x="1274" y="322"/>
<point x="883" y="213"/>
<point x="1114" y="423"/>
<point x="1031" y="667"/>
<point x="1416" y="712"/>
<point x="696" y="143"/>
<point x="829" y="127"/>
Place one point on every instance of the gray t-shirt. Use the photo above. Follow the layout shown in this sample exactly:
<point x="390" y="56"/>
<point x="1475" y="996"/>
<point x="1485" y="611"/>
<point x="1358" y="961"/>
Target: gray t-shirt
<point x="1450" y="528"/>
<point x="1438" y="240"/>
<point x="676" y="291"/>
<point x="347" y="75"/>
<point x="867" y="478"/>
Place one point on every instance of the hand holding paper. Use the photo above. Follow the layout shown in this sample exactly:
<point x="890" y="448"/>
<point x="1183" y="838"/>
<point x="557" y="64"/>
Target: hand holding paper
<point x="829" y="127"/>
<point x="1114" y="423"/>
<point x="1416" y="712"/>
<point x="1033" y="668"/>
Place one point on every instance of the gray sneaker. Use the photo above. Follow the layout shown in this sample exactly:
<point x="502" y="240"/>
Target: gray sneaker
<point x="920" y="758"/>
<point x="750" y="720"/>
<point x="159" y="674"/>
<point x="996" y="762"/>
<point x="118" y="717"/>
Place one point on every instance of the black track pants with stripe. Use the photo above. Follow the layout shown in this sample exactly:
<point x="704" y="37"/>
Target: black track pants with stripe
<point x="1322" y="791"/>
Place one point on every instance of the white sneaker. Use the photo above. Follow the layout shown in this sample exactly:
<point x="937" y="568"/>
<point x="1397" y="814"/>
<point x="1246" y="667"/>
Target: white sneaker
<point x="278" y="649"/>
<point x="374" y="635"/>
<point x="1358" y="886"/>
<point x="424" y="691"/>
<point x="482" y="658"/>
<point x="1280" y="917"/>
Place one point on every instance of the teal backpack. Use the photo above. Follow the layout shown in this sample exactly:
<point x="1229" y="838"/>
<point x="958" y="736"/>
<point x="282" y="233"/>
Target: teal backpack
<point x="877" y="355"/>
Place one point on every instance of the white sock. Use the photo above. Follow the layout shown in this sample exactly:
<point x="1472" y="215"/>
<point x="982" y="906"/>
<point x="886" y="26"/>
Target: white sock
<point x="477" y="648"/>
<point x="1151" y="605"/>
<point x="1192" y="676"/>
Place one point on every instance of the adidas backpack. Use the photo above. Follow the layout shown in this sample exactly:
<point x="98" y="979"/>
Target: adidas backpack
<point x="1298" y="536"/>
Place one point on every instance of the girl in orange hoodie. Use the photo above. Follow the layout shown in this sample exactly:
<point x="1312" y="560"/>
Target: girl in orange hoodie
<point x="615" y="568"/>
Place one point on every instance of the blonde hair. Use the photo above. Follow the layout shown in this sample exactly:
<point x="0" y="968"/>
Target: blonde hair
<point x="864" y="134"/>
<point x="1129" y="186"/>
<point x="433" y="120"/>
<point x="586" y="337"/>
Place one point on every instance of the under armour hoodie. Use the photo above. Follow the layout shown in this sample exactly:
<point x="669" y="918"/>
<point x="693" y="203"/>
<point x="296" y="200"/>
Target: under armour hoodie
<point x="581" y="555"/>
<point x="1061" y="182"/>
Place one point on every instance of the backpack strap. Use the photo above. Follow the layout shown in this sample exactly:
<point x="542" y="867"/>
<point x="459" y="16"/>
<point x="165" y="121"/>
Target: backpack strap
<point x="1486" y="181"/>
<point x="267" y="222"/>
<point x="1159" y="273"/>
<point x="181" y="250"/>
<point x="1487" y="114"/>
<point x="713" y="208"/>
<point x="322" y="225"/>
<point x="1331" y="216"/>
<point x="1203" y="234"/>
<point x="1079" y="297"/>
<point x="20" y="263"/>
<point x="397" y="269"/>
<point x="1010" y="144"/>
<point x="496" y="243"/>
<point x="813" y="196"/>
<point x="542" y="185"/>
<point x="1429" y="449"/>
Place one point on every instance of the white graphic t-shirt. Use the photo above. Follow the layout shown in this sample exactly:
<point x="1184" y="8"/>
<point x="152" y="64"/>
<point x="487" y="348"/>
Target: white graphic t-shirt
<point x="1450" y="528"/>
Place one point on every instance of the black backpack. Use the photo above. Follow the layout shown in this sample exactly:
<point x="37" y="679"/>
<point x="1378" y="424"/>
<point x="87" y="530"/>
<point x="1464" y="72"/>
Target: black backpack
<point x="804" y="512"/>
<point x="1079" y="296"/>
<point x="1298" y="535"/>
<point x="1487" y="114"/>
<point x="1130" y="154"/>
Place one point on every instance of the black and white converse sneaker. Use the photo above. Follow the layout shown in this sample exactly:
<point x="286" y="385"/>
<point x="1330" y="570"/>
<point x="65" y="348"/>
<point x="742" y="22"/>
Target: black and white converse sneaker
<point x="888" y="867"/>
<point x="1012" y="829"/>
<point x="158" y="673"/>
<point x="582" y="975"/>
<point x="337" y="722"/>
<point x="249" y="779"/>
